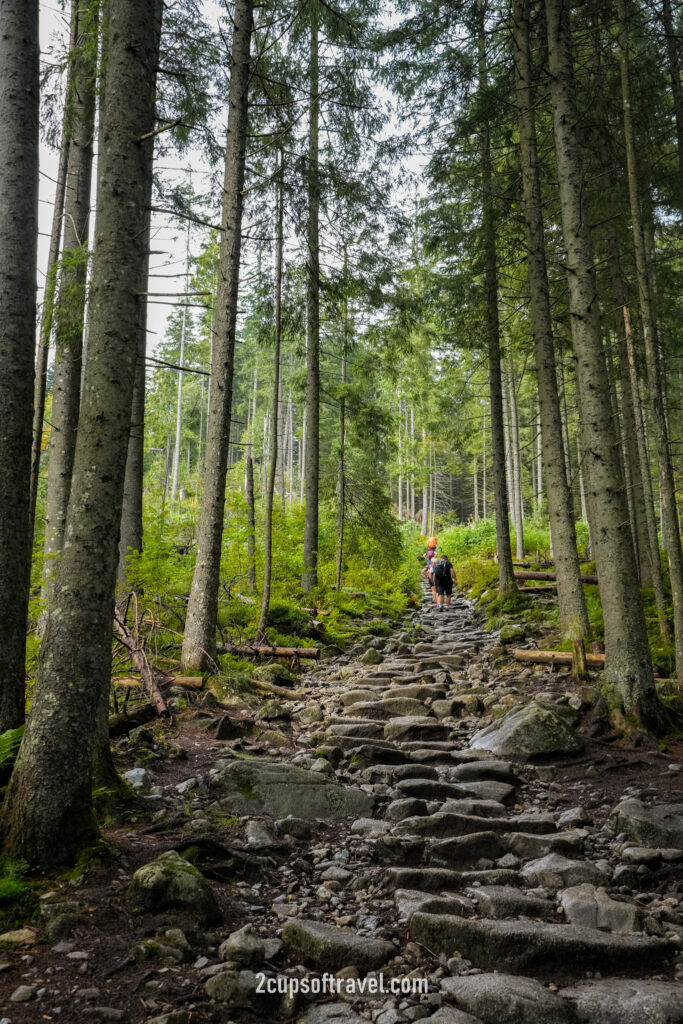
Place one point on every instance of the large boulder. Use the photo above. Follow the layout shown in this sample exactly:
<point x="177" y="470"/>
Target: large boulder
<point x="627" y="1002"/>
<point x="507" y="999"/>
<point x="171" y="883"/>
<point x="332" y="948"/>
<point x="655" y="825"/>
<point x="528" y="731"/>
<point x="251" y="787"/>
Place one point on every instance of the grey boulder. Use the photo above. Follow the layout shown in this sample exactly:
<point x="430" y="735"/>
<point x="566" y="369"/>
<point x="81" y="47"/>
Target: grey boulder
<point x="528" y="731"/>
<point x="655" y="825"/>
<point x="249" y="787"/>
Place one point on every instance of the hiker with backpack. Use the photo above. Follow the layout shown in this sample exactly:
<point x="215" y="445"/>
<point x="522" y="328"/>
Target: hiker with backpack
<point x="444" y="578"/>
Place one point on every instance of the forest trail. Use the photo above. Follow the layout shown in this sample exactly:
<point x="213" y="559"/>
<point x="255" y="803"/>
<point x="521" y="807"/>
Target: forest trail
<point x="390" y="843"/>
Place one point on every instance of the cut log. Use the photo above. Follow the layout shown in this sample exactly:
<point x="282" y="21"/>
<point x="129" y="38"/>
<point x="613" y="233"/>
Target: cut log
<point x="557" y="658"/>
<point x="248" y="651"/>
<point x="524" y="574"/>
<point x="594" y="661"/>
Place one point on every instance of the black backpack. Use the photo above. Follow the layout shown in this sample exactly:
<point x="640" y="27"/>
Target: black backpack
<point x="442" y="572"/>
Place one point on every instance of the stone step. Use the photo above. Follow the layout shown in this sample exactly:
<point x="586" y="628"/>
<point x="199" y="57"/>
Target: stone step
<point x="430" y="789"/>
<point x="536" y="947"/>
<point x="407" y="728"/>
<point x="416" y="691"/>
<point x="409" y="901"/>
<point x="506" y="901"/>
<point x="467" y="850"/>
<point x="504" y="997"/>
<point x="360" y="730"/>
<point x="482" y="771"/>
<point x="383" y="710"/>
<point x="445" y="825"/>
<point x="330" y="947"/>
<point x="620" y="1001"/>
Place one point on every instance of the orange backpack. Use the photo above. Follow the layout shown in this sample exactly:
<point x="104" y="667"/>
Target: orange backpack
<point x="431" y="543"/>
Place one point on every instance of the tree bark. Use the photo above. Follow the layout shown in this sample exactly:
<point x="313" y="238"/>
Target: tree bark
<point x="46" y="322"/>
<point x="48" y="815"/>
<point x="18" y="239"/>
<point x="199" y="643"/>
<point x="671" y="533"/>
<point x="571" y="600"/>
<point x="181" y="362"/>
<point x="492" y="328"/>
<point x="274" y="454"/>
<point x="673" y="49"/>
<point x="516" y="461"/>
<point x="70" y="308"/>
<point x="312" y="465"/>
<point x="251" y="528"/>
<point x="628" y="676"/>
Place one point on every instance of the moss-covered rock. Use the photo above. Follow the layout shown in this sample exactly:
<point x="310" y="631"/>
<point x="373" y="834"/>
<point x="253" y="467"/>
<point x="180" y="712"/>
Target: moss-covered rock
<point x="171" y="883"/>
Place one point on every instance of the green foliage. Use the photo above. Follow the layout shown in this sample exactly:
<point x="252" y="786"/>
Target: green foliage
<point x="10" y="742"/>
<point x="18" y="896"/>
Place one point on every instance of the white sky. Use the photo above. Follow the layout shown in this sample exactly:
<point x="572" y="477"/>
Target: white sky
<point x="167" y="234"/>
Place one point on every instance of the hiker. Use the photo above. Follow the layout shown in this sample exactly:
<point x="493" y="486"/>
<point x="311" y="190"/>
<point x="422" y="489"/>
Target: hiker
<point x="428" y="573"/>
<point x="431" y="550"/>
<point x="444" y="578"/>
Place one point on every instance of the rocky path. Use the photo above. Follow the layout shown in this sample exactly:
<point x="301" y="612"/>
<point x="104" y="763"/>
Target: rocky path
<point x="394" y="841"/>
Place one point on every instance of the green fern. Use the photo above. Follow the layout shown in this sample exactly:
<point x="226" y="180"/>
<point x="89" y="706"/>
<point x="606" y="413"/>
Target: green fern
<point x="9" y="744"/>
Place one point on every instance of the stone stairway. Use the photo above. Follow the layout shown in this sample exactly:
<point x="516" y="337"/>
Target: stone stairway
<point x="440" y="861"/>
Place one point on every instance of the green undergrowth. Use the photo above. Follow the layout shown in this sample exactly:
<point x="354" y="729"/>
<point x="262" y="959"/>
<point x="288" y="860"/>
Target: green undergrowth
<point x="18" y="896"/>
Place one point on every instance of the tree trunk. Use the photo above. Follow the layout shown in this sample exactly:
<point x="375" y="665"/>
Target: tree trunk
<point x="70" y="308"/>
<point x="272" y="473"/>
<point x="516" y="461"/>
<point x="628" y="677"/>
<point x="475" y="492"/>
<point x="570" y="594"/>
<point x="46" y="321"/>
<point x="251" y="528"/>
<point x="47" y="815"/>
<point x="181" y="362"/>
<point x="18" y="238"/>
<point x="312" y="466"/>
<point x="492" y="328"/>
<point x="341" y="459"/>
<point x="199" y="643"/>
<point x="673" y="50"/>
<point x="483" y="467"/>
<point x="670" y="526"/>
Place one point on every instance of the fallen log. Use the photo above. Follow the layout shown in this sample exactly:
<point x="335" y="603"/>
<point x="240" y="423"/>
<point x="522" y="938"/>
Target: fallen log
<point x="556" y="658"/>
<point x="279" y="691"/>
<point x="185" y="682"/>
<point x="524" y="574"/>
<point x="250" y="651"/>
<point x="594" y="661"/>
<point x="151" y="677"/>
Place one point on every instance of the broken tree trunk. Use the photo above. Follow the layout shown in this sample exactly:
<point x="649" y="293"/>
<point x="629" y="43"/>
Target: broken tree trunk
<point x="151" y="677"/>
